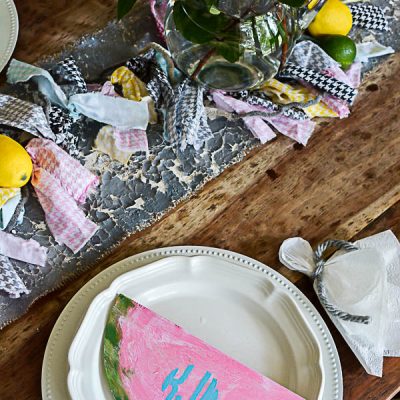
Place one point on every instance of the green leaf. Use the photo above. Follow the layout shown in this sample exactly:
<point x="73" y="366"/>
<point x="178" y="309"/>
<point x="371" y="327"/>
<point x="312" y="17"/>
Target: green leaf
<point x="214" y="10"/>
<point x="187" y="28"/>
<point x="124" y="6"/>
<point x="231" y="51"/>
<point x="195" y="22"/>
<point x="229" y="46"/>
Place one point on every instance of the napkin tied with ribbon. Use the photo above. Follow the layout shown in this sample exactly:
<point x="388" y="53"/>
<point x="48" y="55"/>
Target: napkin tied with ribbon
<point x="360" y="287"/>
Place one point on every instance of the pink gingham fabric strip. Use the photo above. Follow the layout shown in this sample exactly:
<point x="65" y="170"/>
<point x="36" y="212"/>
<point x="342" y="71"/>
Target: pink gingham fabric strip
<point x="340" y="107"/>
<point x="299" y="130"/>
<point x="29" y="251"/>
<point x="60" y="182"/>
<point x="352" y="78"/>
<point x="65" y="219"/>
<point x="75" y="179"/>
<point x="256" y="125"/>
<point x="132" y="140"/>
<point x="109" y="90"/>
<point x="354" y="74"/>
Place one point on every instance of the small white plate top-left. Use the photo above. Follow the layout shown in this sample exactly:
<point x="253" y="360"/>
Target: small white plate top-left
<point x="8" y="31"/>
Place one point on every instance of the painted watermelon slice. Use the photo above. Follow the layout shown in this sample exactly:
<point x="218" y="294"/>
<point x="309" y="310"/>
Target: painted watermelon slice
<point x="147" y="357"/>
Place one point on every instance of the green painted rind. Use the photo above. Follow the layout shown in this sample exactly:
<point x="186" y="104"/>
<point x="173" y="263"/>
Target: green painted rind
<point x="112" y="337"/>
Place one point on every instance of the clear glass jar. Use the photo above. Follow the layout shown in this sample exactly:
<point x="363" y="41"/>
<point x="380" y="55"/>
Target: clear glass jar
<point x="258" y="37"/>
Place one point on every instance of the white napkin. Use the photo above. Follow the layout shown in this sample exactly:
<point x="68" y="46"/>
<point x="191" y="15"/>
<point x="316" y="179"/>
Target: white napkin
<point x="368" y="50"/>
<point x="361" y="282"/>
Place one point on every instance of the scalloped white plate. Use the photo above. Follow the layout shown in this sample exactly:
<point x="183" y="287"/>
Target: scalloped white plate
<point x="261" y="319"/>
<point x="8" y="30"/>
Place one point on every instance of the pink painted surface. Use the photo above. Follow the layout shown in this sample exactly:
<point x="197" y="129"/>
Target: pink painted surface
<point x="151" y="347"/>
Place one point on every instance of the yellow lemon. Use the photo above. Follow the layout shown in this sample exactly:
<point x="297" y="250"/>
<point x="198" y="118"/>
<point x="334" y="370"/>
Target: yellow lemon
<point x="15" y="164"/>
<point x="334" y="18"/>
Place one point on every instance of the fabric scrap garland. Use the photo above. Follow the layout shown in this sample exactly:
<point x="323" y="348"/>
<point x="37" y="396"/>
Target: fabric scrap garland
<point x="61" y="182"/>
<point x="20" y="249"/>
<point x="119" y="112"/>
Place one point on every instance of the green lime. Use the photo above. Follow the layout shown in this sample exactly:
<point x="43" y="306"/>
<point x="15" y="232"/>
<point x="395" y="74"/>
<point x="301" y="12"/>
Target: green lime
<point x="293" y="3"/>
<point x="341" y="48"/>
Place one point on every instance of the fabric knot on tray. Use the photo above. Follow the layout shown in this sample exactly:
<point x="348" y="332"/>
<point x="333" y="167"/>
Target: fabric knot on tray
<point x="181" y="104"/>
<point x="60" y="182"/>
<point x="121" y="112"/>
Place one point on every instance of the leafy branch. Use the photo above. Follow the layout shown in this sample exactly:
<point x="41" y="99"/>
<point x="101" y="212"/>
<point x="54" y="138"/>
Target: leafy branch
<point x="202" y="22"/>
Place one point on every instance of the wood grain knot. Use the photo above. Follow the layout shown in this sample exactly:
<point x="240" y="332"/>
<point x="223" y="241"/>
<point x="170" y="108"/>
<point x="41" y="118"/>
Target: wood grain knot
<point x="373" y="87"/>
<point x="272" y="174"/>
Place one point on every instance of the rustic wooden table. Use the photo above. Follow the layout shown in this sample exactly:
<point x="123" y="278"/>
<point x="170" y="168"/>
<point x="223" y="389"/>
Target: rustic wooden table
<point x="344" y="184"/>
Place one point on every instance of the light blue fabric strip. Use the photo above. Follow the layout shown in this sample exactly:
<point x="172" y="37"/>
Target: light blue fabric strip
<point x="22" y="72"/>
<point x="7" y="211"/>
<point x="115" y="111"/>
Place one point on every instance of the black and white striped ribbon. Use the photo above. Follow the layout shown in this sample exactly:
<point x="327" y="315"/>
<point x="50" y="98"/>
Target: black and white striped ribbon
<point x="323" y="82"/>
<point x="321" y="290"/>
<point x="293" y="111"/>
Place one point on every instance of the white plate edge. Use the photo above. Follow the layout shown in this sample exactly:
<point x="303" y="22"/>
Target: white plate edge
<point x="13" y="34"/>
<point x="143" y="258"/>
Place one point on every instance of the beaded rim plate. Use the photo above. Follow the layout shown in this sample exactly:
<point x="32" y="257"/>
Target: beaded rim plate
<point x="55" y="366"/>
<point x="241" y="312"/>
<point x="8" y="30"/>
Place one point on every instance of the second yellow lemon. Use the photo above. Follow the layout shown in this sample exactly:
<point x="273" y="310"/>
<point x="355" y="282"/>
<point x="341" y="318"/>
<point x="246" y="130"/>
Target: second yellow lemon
<point x="334" y="19"/>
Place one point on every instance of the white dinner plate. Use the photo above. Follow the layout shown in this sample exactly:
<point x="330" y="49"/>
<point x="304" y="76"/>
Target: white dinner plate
<point x="8" y="30"/>
<point x="260" y="319"/>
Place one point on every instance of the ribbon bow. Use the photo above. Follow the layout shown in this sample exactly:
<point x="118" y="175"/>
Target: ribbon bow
<point x="317" y="276"/>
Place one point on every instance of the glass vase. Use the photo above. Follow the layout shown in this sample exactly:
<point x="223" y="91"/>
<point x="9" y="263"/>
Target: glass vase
<point x="249" y="49"/>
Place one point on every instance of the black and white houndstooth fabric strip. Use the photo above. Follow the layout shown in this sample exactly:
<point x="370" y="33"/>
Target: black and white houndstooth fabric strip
<point x="61" y="124"/>
<point x="185" y="120"/>
<point x="369" y="16"/>
<point x="323" y="82"/>
<point x="24" y="115"/>
<point x="191" y="122"/>
<point x="10" y="282"/>
<point x="71" y="73"/>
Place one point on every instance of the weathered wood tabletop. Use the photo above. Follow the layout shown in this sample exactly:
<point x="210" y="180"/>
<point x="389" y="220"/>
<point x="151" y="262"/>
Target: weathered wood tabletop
<point x="344" y="184"/>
